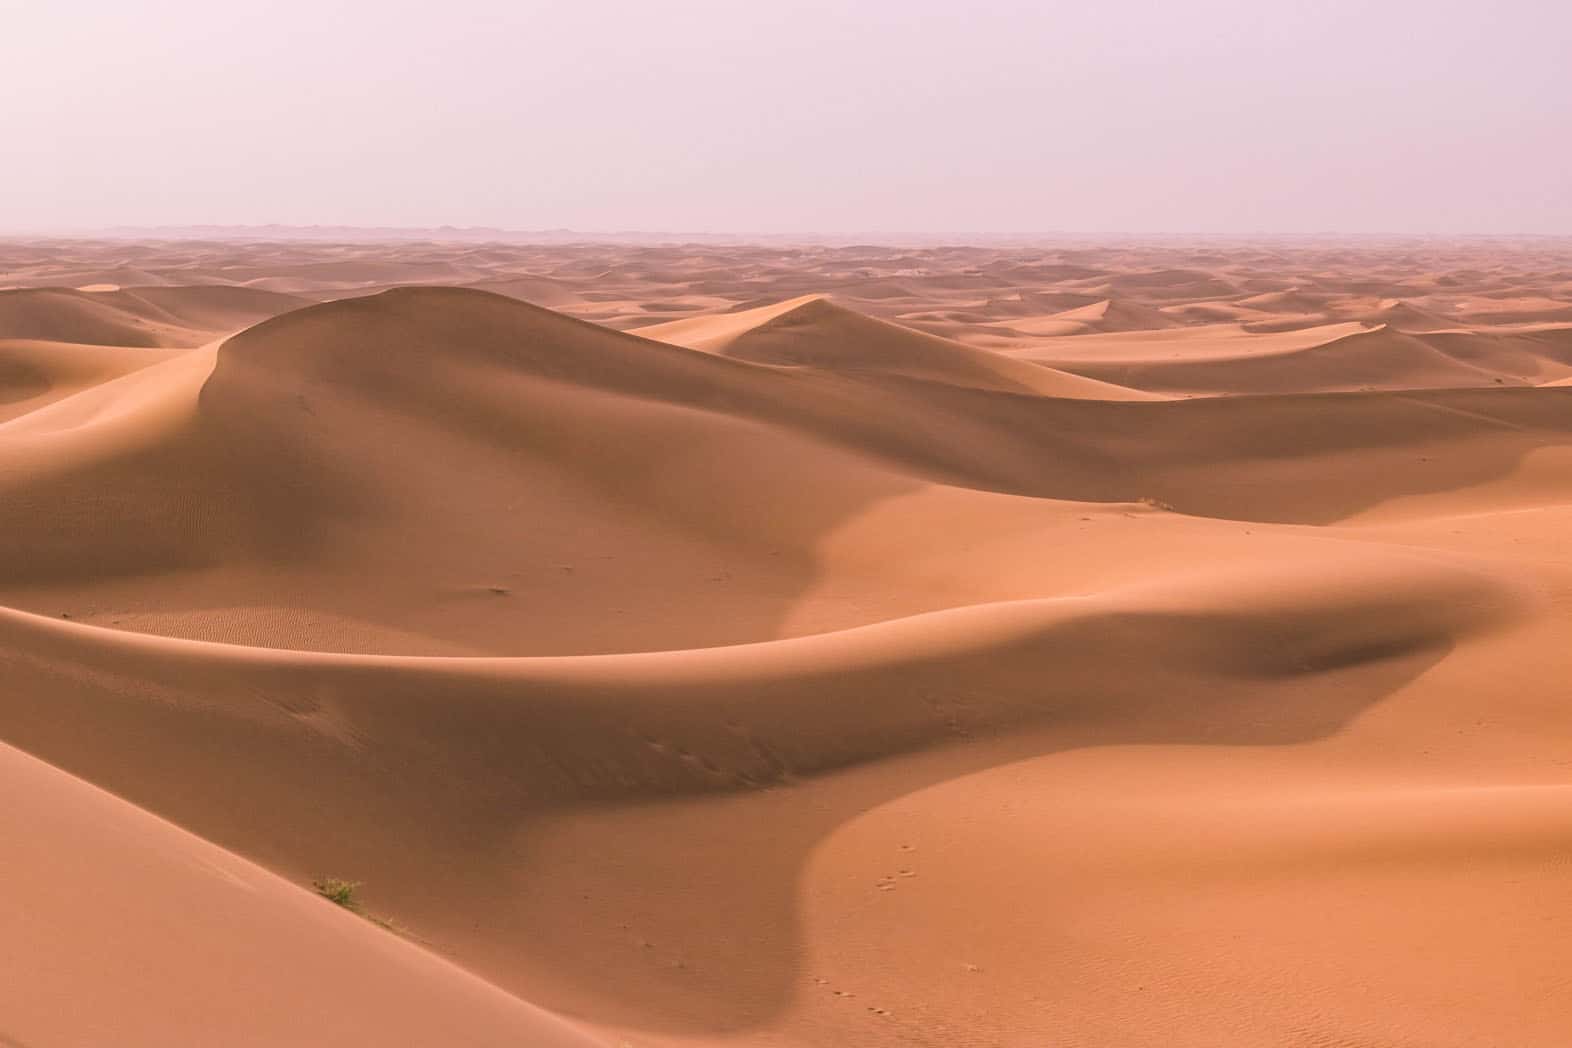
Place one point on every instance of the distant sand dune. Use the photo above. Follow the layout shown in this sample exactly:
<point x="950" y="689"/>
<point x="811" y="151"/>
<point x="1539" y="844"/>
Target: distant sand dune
<point x="813" y="332"/>
<point x="35" y="372"/>
<point x="141" y="317"/>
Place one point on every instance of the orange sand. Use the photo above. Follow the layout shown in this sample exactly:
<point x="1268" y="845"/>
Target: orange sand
<point x="1099" y="645"/>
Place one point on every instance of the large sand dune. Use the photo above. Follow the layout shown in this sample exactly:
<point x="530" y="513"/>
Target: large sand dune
<point x="1095" y="645"/>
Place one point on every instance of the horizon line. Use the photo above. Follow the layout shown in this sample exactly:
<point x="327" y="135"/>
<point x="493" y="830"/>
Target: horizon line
<point x="197" y="230"/>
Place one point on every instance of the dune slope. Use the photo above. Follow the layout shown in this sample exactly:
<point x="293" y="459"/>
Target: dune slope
<point x="116" y="943"/>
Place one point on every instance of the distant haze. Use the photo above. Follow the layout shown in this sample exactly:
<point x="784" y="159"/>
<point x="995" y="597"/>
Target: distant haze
<point x="1219" y="116"/>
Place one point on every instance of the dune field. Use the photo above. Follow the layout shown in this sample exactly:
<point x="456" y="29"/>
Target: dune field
<point x="1142" y="643"/>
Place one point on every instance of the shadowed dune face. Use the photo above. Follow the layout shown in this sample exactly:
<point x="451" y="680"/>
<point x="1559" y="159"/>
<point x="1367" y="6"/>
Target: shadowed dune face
<point x="1104" y="644"/>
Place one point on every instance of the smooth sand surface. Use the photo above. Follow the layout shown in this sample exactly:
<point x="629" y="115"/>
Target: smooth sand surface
<point x="1119" y="645"/>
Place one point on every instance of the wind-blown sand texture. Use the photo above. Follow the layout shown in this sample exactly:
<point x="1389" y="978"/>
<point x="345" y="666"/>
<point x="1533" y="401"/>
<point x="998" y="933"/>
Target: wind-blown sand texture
<point x="1127" y="644"/>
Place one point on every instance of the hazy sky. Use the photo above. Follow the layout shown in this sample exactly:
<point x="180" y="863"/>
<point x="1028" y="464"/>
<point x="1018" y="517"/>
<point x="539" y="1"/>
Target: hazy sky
<point x="785" y="116"/>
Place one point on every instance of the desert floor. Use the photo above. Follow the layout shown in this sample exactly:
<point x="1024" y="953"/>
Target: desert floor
<point x="1105" y="644"/>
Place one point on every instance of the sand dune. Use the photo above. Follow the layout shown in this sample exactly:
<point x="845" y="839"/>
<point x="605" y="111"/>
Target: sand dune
<point x="34" y="373"/>
<point x="1111" y="645"/>
<point x="813" y="332"/>
<point x="142" y="317"/>
<point x="65" y="315"/>
<point x="1516" y="309"/>
<point x="1116" y="315"/>
<point x="1405" y="316"/>
<point x="318" y="443"/>
<point x="1375" y="358"/>
<point x="445" y="790"/>
<point x="1291" y="300"/>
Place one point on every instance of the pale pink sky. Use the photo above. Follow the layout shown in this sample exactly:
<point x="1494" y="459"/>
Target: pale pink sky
<point x="707" y="116"/>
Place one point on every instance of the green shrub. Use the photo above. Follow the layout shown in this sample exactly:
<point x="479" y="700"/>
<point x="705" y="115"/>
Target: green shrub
<point x="338" y="892"/>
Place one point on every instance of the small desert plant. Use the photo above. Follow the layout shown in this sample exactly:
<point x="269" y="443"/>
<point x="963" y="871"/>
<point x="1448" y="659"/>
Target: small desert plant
<point x="339" y="892"/>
